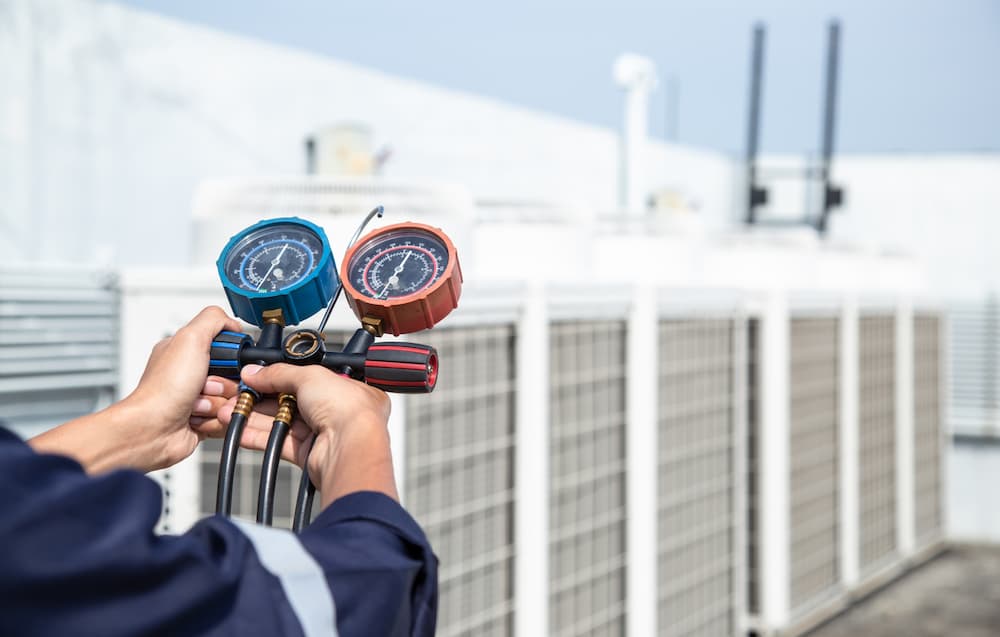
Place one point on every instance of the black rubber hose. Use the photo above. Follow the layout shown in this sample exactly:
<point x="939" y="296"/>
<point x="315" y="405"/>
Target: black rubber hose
<point x="358" y="345"/>
<point x="227" y="465"/>
<point x="304" y="499"/>
<point x="269" y="472"/>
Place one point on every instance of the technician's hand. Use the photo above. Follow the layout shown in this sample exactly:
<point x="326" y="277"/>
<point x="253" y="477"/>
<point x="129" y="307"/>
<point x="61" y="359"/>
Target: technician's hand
<point x="351" y="451"/>
<point x="151" y="428"/>
<point x="204" y="411"/>
<point x="173" y="386"/>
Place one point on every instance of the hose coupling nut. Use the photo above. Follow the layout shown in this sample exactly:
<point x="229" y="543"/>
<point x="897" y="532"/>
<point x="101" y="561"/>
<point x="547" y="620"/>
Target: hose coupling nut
<point x="286" y="409"/>
<point x="244" y="405"/>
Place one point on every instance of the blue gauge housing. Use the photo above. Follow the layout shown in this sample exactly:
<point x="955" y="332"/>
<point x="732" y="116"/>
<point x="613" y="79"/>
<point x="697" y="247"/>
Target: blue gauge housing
<point x="278" y="264"/>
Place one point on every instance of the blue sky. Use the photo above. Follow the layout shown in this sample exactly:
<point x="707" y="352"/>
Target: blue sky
<point x="915" y="76"/>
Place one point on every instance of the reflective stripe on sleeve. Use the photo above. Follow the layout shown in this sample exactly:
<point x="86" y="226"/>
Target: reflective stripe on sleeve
<point x="301" y="577"/>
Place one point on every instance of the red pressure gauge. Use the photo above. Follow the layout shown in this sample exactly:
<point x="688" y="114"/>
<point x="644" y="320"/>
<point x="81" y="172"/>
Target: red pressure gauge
<point x="405" y="275"/>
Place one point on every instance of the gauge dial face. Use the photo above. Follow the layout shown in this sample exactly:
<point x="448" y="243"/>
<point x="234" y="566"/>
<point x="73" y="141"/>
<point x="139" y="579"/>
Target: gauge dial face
<point x="398" y="264"/>
<point x="273" y="258"/>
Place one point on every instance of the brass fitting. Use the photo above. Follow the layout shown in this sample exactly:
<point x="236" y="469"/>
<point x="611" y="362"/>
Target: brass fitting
<point x="373" y="326"/>
<point x="274" y="316"/>
<point x="286" y="409"/>
<point x="245" y="404"/>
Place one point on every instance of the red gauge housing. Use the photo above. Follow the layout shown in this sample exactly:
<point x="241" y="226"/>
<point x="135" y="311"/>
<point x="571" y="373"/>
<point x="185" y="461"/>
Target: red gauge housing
<point x="407" y="276"/>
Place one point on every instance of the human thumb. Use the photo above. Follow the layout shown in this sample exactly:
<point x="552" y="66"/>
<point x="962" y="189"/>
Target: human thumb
<point x="279" y="378"/>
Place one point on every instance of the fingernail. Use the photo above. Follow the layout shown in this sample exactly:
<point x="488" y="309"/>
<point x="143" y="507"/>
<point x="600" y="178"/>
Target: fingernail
<point x="250" y="370"/>
<point x="202" y="406"/>
<point x="213" y="388"/>
<point x="195" y="421"/>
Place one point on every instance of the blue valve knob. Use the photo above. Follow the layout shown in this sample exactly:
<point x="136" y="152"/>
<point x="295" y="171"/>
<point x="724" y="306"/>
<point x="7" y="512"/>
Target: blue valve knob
<point x="225" y="357"/>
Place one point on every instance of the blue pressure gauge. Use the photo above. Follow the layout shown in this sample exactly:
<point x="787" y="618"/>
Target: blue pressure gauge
<point x="281" y="264"/>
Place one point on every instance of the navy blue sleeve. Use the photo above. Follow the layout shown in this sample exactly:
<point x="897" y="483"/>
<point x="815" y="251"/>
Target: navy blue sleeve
<point x="79" y="556"/>
<point x="378" y="564"/>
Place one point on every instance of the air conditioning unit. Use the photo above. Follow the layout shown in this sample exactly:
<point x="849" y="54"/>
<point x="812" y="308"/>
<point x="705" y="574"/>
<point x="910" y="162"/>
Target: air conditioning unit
<point x="222" y="207"/>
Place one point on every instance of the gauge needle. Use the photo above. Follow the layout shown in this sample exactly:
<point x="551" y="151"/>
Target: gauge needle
<point x="395" y="274"/>
<point x="274" y="262"/>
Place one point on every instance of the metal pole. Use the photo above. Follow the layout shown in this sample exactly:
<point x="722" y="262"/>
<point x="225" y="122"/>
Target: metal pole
<point x="755" y="196"/>
<point x="532" y="474"/>
<point x="832" y="196"/>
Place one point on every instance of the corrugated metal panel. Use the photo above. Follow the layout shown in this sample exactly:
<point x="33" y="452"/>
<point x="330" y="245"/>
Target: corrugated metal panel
<point x="460" y="476"/>
<point x="877" y="441"/>
<point x="587" y="541"/>
<point x="813" y="417"/>
<point x="696" y="545"/>
<point x="58" y="345"/>
<point x="974" y="383"/>
<point x="927" y="357"/>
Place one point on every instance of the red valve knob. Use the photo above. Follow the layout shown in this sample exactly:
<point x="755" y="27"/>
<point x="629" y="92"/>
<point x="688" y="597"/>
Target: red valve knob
<point x="403" y="368"/>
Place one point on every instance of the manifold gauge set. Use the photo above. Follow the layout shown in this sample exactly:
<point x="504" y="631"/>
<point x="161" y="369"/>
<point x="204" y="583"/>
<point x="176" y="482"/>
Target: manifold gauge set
<point x="398" y="279"/>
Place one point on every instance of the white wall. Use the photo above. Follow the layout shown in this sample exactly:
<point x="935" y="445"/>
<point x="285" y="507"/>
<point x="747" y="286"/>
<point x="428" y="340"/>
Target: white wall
<point x="942" y="209"/>
<point x="945" y="210"/>
<point x="974" y="470"/>
<point x="109" y="118"/>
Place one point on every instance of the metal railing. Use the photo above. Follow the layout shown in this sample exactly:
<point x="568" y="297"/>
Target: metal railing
<point x="642" y="461"/>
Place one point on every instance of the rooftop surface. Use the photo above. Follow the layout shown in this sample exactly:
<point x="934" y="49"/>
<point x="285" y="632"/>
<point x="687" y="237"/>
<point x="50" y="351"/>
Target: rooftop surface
<point x="956" y="594"/>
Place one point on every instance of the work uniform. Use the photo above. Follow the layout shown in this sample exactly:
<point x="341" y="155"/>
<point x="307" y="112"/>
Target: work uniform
<point x="79" y="557"/>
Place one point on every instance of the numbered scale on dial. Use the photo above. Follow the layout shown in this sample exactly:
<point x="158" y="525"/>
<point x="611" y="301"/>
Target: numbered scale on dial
<point x="406" y="275"/>
<point x="274" y="258"/>
<point x="284" y="264"/>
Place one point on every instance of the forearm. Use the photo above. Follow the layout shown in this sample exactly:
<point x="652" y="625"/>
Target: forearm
<point x="359" y="460"/>
<point x="99" y="442"/>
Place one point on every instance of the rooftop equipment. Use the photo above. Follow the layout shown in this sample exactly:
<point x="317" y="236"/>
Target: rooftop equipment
<point x="637" y="75"/>
<point x="831" y="196"/>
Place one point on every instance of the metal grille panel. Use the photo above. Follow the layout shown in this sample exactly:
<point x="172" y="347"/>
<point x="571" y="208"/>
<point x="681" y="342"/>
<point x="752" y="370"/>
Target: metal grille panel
<point x="974" y="385"/>
<point x="58" y="346"/>
<point x="460" y="476"/>
<point x="877" y="440"/>
<point x="927" y="356"/>
<point x="587" y="542"/>
<point x="753" y="472"/>
<point x="696" y="481"/>
<point x="813" y="417"/>
<point x="247" y="484"/>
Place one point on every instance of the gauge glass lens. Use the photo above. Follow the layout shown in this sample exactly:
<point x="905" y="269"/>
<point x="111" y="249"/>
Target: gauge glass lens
<point x="398" y="264"/>
<point x="274" y="258"/>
